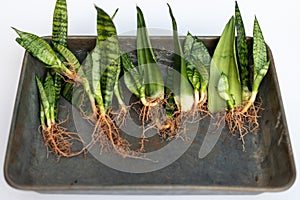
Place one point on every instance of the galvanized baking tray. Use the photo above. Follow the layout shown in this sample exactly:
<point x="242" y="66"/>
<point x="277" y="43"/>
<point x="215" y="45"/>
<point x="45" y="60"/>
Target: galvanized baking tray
<point x="266" y="166"/>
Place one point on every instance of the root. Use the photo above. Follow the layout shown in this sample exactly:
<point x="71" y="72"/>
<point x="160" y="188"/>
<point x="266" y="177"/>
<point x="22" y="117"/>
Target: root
<point x="176" y="125"/>
<point x="60" y="142"/>
<point x="242" y="122"/>
<point x="70" y="78"/>
<point x="200" y="110"/>
<point x="73" y="75"/>
<point x="150" y="114"/>
<point x="147" y="116"/>
<point x="149" y="111"/>
<point x="89" y="117"/>
<point x="120" y="115"/>
<point x="171" y="127"/>
<point x="108" y="135"/>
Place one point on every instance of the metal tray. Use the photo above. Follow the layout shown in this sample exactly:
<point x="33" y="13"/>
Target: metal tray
<point x="266" y="166"/>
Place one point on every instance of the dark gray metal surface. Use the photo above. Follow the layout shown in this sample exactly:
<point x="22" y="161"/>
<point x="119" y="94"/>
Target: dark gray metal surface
<point x="266" y="166"/>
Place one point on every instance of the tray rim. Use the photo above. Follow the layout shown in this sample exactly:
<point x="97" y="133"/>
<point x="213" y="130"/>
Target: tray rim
<point x="182" y="189"/>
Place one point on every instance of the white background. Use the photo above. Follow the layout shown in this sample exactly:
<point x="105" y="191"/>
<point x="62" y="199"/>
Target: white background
<point x="279" y="21"/>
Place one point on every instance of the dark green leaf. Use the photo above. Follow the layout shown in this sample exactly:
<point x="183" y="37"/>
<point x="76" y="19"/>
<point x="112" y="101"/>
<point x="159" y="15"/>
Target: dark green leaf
<point x="261" y="65"/>
<point x="132" y="78"/>
<point x="197" y="55"/>
<point x="183" y="93"/>
<point x="242" y="48"/>
<point x="44" y="101"/>
<point x="38" y="48"/>
<point x="60" y="23"/>
<point x="152" y="78"/>
<point x="49" y="88"/>
<point x="108" y="60"/>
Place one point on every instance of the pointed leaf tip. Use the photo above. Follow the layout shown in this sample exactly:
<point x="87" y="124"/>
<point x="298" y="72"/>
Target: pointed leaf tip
<point x="17" y="31"/>
<point x="171" y="13"/>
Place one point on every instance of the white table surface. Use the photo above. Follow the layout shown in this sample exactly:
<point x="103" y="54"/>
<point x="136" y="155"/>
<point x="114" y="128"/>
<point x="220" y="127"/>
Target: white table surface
<point x="279" y="21"/>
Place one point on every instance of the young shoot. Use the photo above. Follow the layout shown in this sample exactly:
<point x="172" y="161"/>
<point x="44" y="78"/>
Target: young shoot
<point x="198" y="62"/>
<point x="56" y="138"/>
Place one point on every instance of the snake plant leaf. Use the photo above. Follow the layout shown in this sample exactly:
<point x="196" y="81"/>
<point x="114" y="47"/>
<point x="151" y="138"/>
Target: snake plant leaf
<point x="184" y="98"/>
<point x="38" y="48"/>
<point x="68" y="56"/>
<point x="198" y="58"/>
<point x="42" y="116"/>
<point x="60" y="23"/>
<point x="223" y="89"/>
<point x="96" y="76"/>
<point x="59" y="35"/>
<point x="44" y="101"/>
<point x="117" y="87"/>
<point x="132" y="78"/>
<point x="224" y="62"/>
<point x="115" y="13"/>
<point x="242" y="50"/>
<point x="152" y="77"/>
<point x="196" y="53"/>
<point x="107" y="46"/>
<point x="57" y="85"/>
<point x="87" y="66"/>
<point x="50" y="93"/>
<point x="41" y="49"/>
<point x="261" y="65"/>
<point x="194" y="77"/>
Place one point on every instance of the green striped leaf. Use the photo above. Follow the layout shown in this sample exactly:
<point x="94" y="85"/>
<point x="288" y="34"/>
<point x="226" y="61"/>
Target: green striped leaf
<point x="132" y="78"/>
<point x="148" y="68"/>
<point x="57" y="86"/>
<point x="60" y="23"/>
<point x="107" y="58"/>
<point x="198" y="57"/>
<point x="42" y="115"/>
<point x="117" y="88"/>
<point x="49" y="88"/>
<point x="242" y="49"/>
<point x="68" y="56"/>
<point x="108" y="80"/>
<point x="194" y="77"/>
<point x="44" y="101"/>
<point x="87" y="67"/>
<point x="38" y="48"/>
<point x="96" y="76"/>
<point x="261" y="65"/>
<point x="59" y="35"/>
<point x="183" y="93"/>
